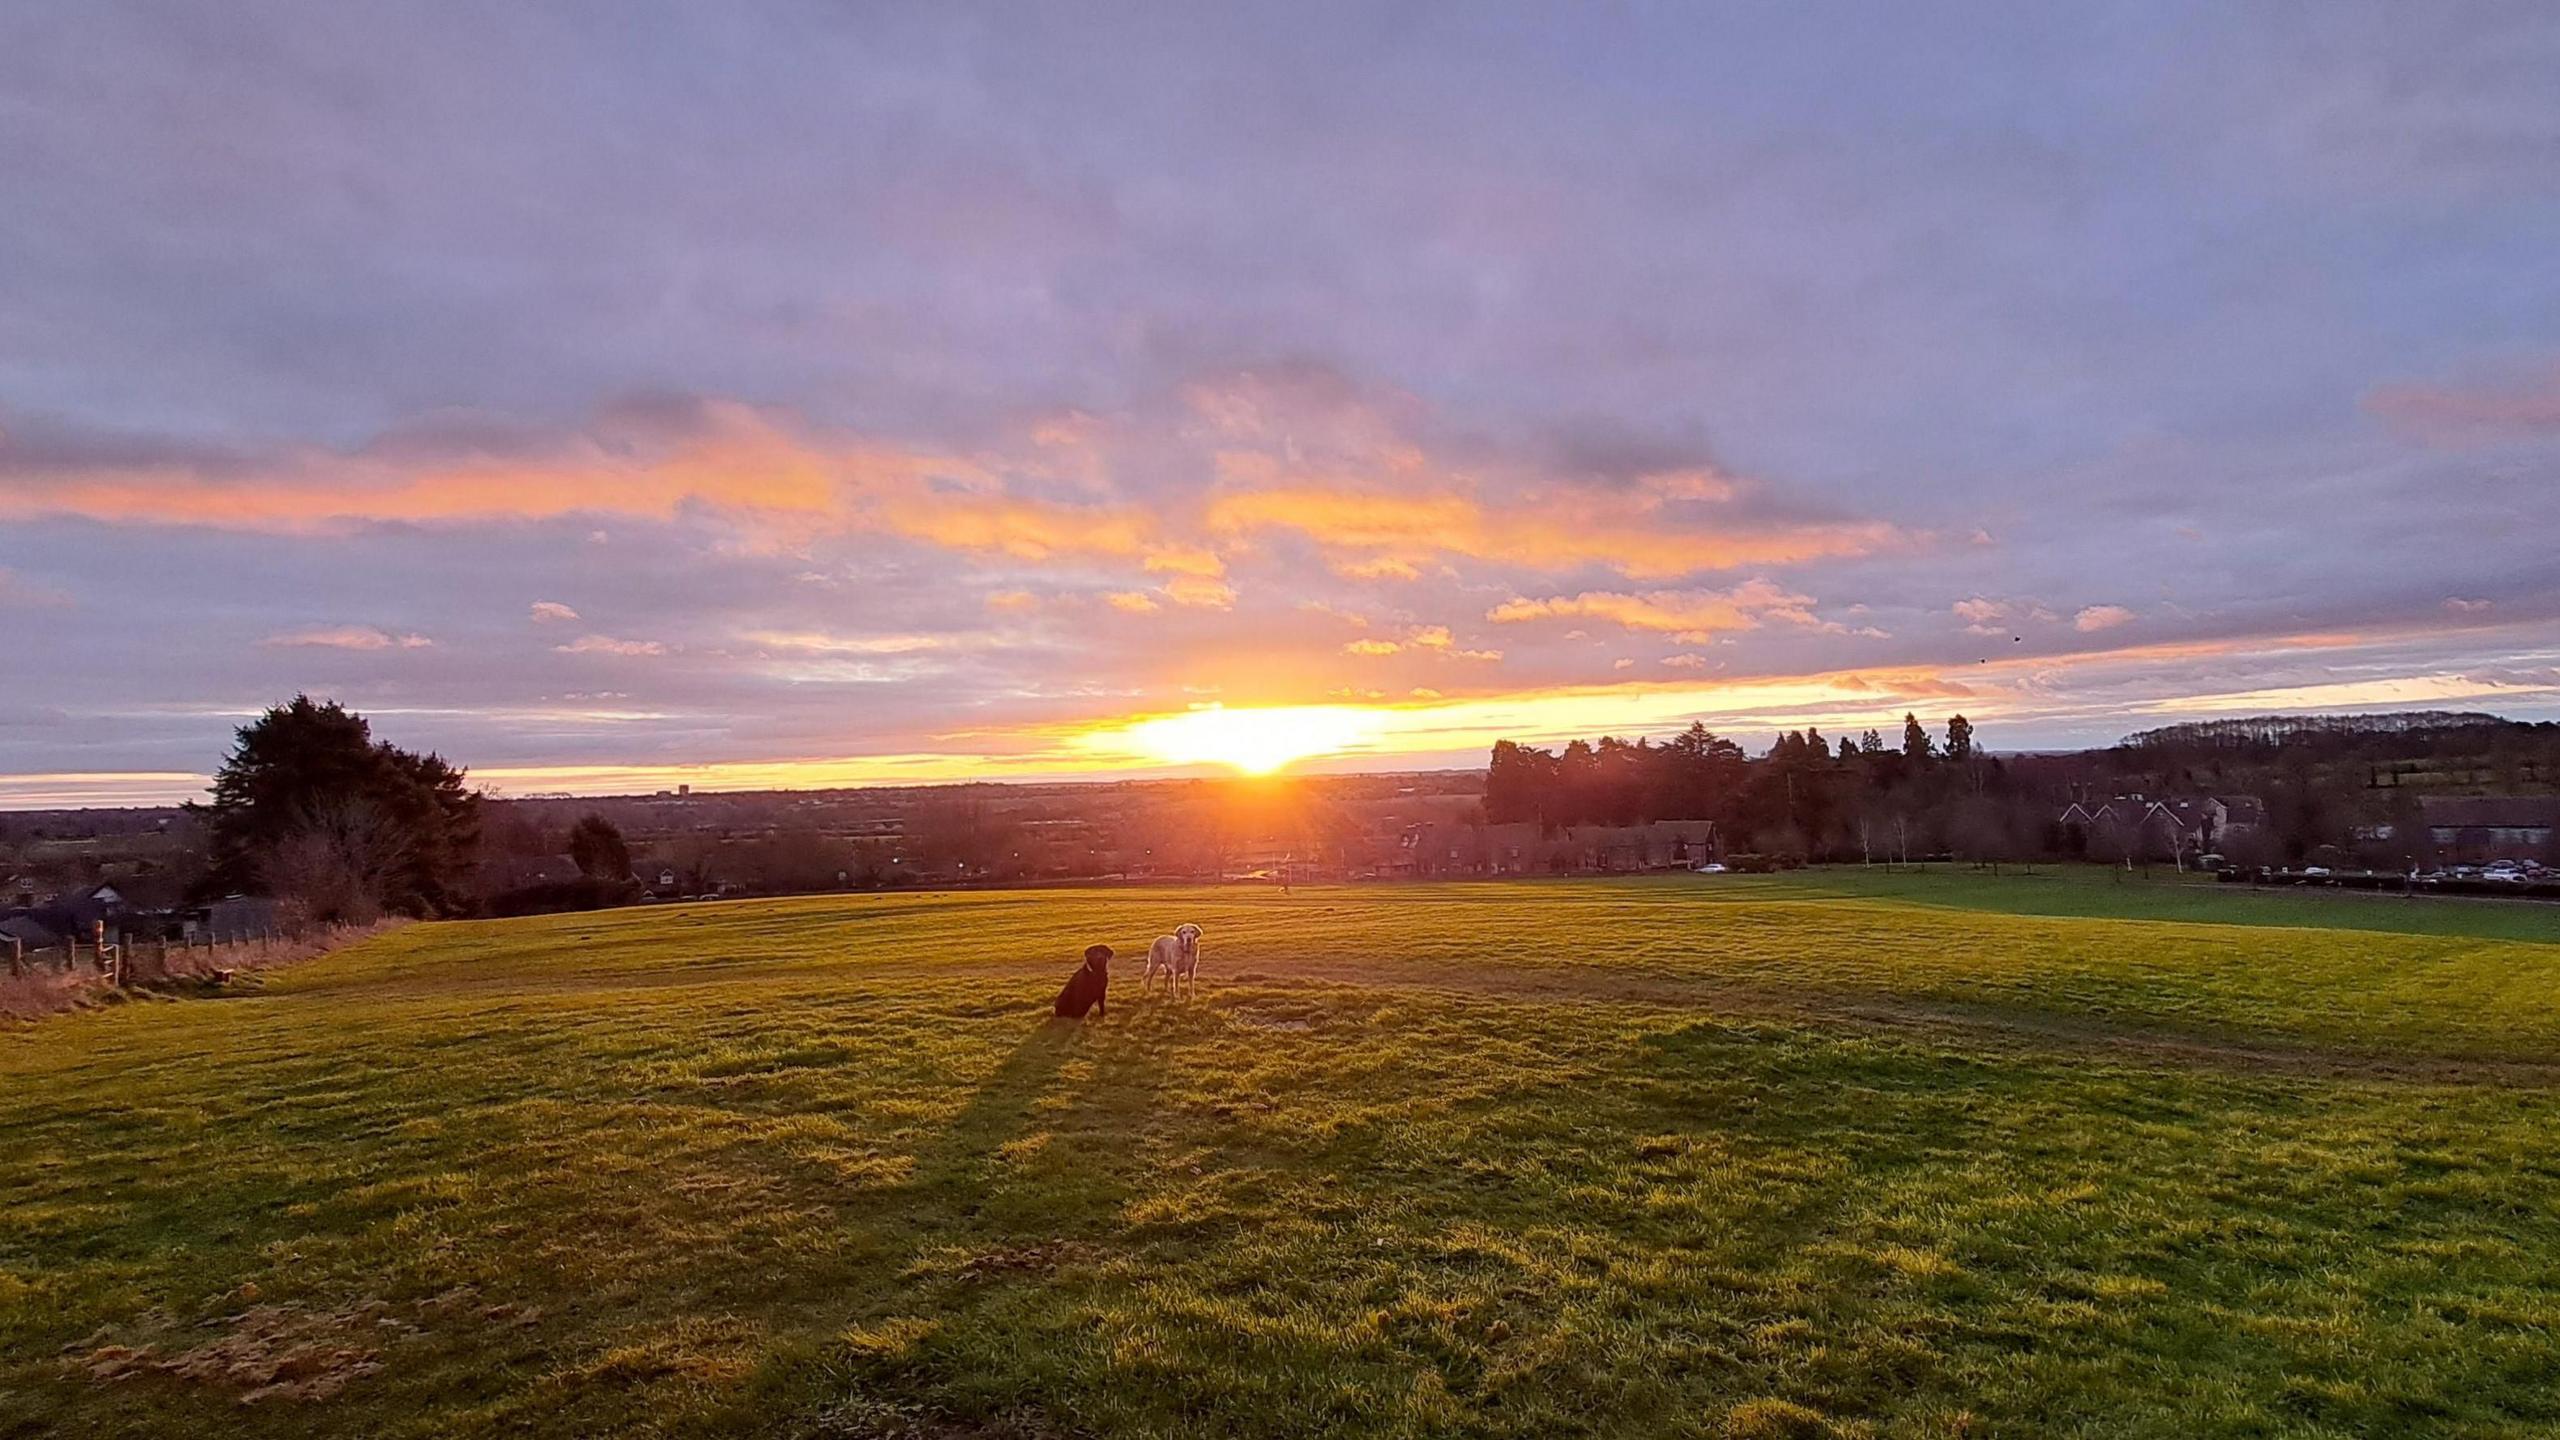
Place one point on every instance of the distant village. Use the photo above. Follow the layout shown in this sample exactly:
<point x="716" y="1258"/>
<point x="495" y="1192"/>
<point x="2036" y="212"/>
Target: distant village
<point x="141" y="874"/>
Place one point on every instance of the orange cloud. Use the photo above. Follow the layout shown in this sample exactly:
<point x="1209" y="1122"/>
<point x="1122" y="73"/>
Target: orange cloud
<point x="1689" y="615"/>
<point x="1003" y="524"/>
<point x="1633" y="531"/>
<point x="1187" y="560"/>
<point x="1199" y="590"/>
<point x="735" y="462"/>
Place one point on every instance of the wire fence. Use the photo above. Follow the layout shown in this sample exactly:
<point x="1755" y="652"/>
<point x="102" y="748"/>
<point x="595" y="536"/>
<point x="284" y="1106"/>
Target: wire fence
<point x="128" y="961"/>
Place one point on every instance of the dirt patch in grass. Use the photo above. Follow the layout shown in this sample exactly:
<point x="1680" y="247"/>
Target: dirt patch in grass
<point x="864" y="1418"/>
<point x="1037" y="1259"/>
<point x="266" y="1352"/>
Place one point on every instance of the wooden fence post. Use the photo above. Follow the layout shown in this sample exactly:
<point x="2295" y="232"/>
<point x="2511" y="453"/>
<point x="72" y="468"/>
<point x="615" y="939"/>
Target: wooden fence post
<point x="17" y="956"/>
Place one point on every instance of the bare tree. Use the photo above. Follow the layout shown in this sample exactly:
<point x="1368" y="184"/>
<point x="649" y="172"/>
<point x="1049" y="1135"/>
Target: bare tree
<point x="338" y="861"/>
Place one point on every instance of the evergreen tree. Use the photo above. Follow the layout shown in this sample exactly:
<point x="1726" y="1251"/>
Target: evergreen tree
<point x="1915" y="741"/>
<point x="1959" y="738"/>
<point x="308" y="790"/>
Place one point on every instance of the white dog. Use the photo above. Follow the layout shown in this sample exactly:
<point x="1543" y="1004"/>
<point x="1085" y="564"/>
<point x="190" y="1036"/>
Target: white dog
<point x="1177" y="956"/>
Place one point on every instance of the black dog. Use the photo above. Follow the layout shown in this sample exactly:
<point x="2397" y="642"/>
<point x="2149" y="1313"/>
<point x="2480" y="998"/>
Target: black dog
<point x="1088" y="988"/>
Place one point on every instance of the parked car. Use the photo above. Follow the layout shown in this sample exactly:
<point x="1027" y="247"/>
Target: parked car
<point x="1711" y="868"/>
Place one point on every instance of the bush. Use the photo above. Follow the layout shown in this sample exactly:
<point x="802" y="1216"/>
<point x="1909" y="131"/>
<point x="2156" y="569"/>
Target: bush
<point x="560" y="896"/>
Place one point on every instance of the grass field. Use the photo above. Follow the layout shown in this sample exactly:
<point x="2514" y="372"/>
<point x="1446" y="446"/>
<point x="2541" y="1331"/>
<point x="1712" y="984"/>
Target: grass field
<point x="1828" y="1154"/>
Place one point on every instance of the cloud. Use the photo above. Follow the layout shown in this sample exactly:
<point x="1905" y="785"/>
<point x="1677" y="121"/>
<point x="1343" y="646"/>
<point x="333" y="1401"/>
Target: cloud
<point x="754" y="469"/>
<point x="1135" y="602"/>
<point x="547" y="612"/>
<point x="608" y="645"/>
<point x="1374" y="567"/>
<point x="824" y="644"/>
<point x="2479" y="410"/>
<point x="1642" y="532"/>
<point x="1186" y="561"/>
<point x="1342" y="472"/>
<point x="1685" y="662"/>
<point x="1371" y="647"/>
<point x="2461" y="606"/>
<point x="1432" y="637"/>
<point x="1200" y="591"/>
<point x="1012" y="602"/>
<point x="2101" y="617"/>
<point x="1986" y="616"/>
<point x="347" y="637"/>
<point x="1690" y="615"/>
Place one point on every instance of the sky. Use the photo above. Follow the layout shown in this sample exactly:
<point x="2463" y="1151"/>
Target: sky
<point x="618" y="395"/>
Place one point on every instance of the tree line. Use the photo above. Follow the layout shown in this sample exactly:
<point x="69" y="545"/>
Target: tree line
<point x="1804" y="796"/>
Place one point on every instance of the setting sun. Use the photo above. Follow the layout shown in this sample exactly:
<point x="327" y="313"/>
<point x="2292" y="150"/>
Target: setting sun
<point x="1256" y="742"/>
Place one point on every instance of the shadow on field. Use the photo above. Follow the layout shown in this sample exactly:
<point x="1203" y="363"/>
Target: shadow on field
<point x="955" y="1168"/>
<point x="1023" y="1158"/>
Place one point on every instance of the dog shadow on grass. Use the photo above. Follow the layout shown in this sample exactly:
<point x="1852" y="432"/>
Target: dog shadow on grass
<point x="1026" y="1154"/>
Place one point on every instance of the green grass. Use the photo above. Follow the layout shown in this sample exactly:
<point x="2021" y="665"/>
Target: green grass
<point x="2102" y="892"/>
<point x="1815" y="1154"/>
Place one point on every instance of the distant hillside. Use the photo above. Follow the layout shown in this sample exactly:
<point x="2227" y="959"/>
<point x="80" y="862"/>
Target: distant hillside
<point x="2398" y="730"/>
<point x="2439" y="751"/>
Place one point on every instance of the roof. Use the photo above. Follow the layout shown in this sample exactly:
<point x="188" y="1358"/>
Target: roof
<point x="2245" y="809"/>
<point x="27" y="932"/>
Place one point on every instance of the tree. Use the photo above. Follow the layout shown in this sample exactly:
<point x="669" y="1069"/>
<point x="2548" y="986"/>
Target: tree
<point x="1871" y="743"/>
<point x="1915" y="741"/>
<point x="596" y="844"/>
<point x="338" y="862"/>
<point x="307" y="788"/>
<point x="1517" y="785"/>
<point x="1959" y="739"/>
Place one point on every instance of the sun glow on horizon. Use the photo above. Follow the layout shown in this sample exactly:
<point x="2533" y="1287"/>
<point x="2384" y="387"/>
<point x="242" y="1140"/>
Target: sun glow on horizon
<point x="1254" y="741"/>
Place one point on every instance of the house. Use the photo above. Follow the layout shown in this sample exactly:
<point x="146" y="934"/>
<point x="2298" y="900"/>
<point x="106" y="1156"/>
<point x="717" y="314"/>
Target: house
<point x="2171" y="825"/>
<point x="233" y="917"/>
<point x="518" y="872"/>
<point x="79" y="910"/>
<point x="19" y="932"/>
<point x="2491" y="827"/>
